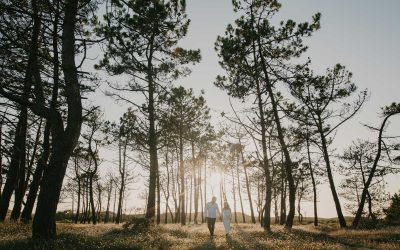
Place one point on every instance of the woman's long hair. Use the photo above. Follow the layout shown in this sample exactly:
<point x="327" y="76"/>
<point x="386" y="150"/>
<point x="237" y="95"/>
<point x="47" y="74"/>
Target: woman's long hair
<point x="226" y="205"/>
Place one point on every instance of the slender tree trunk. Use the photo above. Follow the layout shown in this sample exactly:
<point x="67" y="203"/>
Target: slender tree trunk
<point x="313" y="183"/>
<point x="288" y="162"/>
<point x="205" y="180"/>
<point x="20" y="190"/>
<point x="64" y="142"/>
<point x="276" y="206"/>
<point x="91" y="197"/>
<point x="19" y="147"/>
<point x="201" y="196"/>
<point x="151" y="201"/>
<point x="114" y="205"/>
<point x="158" y="198"/>
<point x="17" y="164"/>
<point x="335" y="196"/>
<point x="239" y="189"/>
<point x="265" y="162"/>
<point x="357" y="218"/>
<point x="283" y="198"/>
<point x="109" y="193"/>
<point x="190" y="198"/>
<point x="42" y="162"/>
<point x="248" y="188"/>
<point x="79" y="202"/>
<point x="122" y="187"/>
<point x="182" y="176"/>
<point x="234" y="196"/>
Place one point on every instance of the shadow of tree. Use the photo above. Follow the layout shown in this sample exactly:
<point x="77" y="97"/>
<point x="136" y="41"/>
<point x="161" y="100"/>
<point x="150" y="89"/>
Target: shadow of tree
<point x="234" y="244"/>
<point x="207" y="244"/>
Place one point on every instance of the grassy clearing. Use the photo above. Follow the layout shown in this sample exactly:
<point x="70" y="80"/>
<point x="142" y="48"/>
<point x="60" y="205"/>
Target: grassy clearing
<point x="244" y="236"/>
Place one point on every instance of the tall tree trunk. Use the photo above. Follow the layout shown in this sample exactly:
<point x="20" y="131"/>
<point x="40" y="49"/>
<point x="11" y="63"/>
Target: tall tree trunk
<point x="44" y="225"/>
<point x="335" y="196"/>
<point x="24" y="177"/>
<point x="288" y="162"/>
<point x="122" y="187"/>
<point x="248" y="188"/>
<point x="357" y="218"/>
<point x="313" y="183"/>
<point x="276" y="206"/>
<point x="190" y="198"/>
<point x="205" y="180"/>
<point x="158" y="198"/>
<point x="201" y="196"/>
<point x="19" y="189"/>
<point x="265" y="162"/>
<point x="16" y="170"/>
<point x="151" y="201"/>
<point x="234" y="195"/>
<point x="109" y="193"/>
<point x="283" y="198"/>
<point x="79" y="202"/>
<point x="239" y="189"/>
<point x="114" y="205"/>
<point x="182" y="177"/>
<point x="196" y="187"/>
<point x="91" y="197"/>
<point x="42" y="162"/>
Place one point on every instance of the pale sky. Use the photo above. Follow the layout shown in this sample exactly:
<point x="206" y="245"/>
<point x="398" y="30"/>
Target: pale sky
<point x="363" y="35"/>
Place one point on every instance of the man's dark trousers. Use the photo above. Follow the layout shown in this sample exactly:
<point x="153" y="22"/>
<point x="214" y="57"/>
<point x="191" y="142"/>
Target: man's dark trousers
<point x="211" y="225"/>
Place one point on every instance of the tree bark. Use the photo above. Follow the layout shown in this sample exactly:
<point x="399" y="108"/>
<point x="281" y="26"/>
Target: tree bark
<point x="357" y="218"/>
<point x="239" y="189"/>
<point x="313" y="184"/>
<point x="182" y="177"/>
<point x="335" y="196"/>
<point x="64" y="142"/>
<point x="151" y="201"/>
<point x="109" y="193"/>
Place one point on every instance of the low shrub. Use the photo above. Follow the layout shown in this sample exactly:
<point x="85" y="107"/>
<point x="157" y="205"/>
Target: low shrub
<point x="137" y="225"/>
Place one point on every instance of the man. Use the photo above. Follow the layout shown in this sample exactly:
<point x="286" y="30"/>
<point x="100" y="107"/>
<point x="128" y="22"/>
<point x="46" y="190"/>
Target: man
<point x="211" y="211"/>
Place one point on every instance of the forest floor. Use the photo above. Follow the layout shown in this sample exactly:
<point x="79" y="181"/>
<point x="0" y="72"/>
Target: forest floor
<point x="243" y="236"/>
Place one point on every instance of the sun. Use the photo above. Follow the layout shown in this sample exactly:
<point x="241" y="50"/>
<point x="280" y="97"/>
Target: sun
<point x="215" y="179"/>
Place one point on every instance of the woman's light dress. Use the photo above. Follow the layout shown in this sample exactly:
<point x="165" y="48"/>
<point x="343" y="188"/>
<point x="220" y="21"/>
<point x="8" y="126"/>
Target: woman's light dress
<point x="226" y="216"/>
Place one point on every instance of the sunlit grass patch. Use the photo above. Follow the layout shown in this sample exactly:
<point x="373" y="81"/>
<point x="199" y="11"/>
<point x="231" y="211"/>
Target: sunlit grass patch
<point x="174" y="236"/>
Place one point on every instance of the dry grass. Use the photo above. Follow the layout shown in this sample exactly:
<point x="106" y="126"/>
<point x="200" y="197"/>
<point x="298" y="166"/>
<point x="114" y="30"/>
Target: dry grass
<point x="244" y="236"/>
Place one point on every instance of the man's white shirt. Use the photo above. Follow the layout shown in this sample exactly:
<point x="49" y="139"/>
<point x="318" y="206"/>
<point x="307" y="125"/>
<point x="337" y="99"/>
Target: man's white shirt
<point x="212" y="210"/>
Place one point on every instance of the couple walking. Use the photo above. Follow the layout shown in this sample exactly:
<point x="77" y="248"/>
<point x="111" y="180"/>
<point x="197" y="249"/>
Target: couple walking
<point x="212" y="210"/>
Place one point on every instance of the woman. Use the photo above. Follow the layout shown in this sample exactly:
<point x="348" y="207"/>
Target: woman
<point x="226" y="217"/>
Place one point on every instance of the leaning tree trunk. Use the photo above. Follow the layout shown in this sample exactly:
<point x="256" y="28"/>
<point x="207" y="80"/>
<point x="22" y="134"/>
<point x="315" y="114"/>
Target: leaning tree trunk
<point x="17" y="164"/>
<point x="17" y="159"/>
<point x="357" y="218"/>
<point x="41" y="163"/>
<point x="266" y="221"/>
<point x="253" y="219"/>
<point x="240" y="190"/>
<point x="44" y="224"/>
<point x="335" y="196"/>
